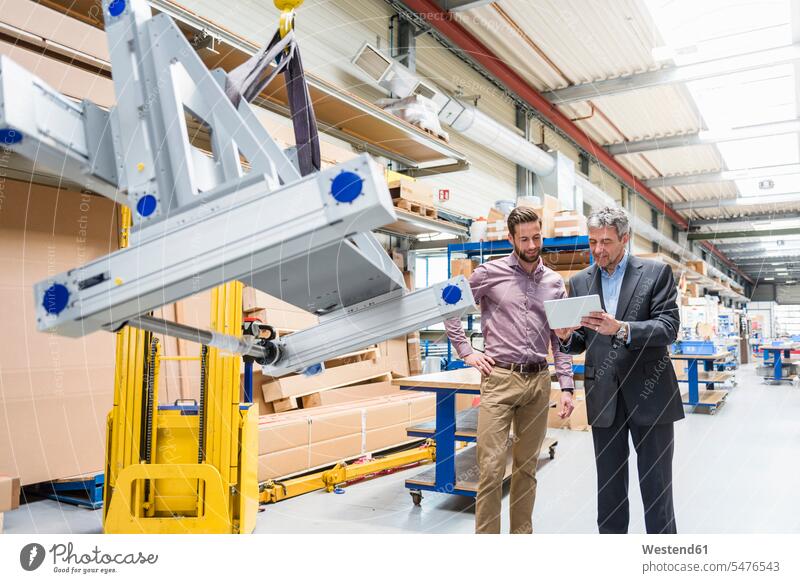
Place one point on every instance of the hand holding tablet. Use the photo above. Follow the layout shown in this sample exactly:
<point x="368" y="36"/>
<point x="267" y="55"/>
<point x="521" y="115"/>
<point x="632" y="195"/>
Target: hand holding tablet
<point x="567" y="313"/>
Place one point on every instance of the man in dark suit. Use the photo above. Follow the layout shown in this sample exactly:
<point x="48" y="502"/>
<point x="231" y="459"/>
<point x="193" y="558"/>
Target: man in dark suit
<point x="631" y="387"/>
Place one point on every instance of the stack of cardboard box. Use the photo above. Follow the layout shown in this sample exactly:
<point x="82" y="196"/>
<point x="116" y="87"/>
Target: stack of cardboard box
<point x="569" y="224"/>
<point x="412" y="190"/>
<point x="567" y="260"/>
<point x="9" y="495"/>
<point x="275" y="312"/>
<point x="56" y="391"/>
<point x="463" y="267"/>
<point x="302" y="440"/>
<point x="496" y="226"/>
<point x="547" y="212"/>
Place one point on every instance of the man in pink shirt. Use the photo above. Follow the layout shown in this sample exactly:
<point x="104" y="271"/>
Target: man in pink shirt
<point x="516" y="379"/>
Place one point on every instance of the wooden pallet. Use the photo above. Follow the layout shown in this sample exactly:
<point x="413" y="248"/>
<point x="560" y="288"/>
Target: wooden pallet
<point x="365" y="359"/>
<point x="416" y="208"/>
<point x="708" y="401"/>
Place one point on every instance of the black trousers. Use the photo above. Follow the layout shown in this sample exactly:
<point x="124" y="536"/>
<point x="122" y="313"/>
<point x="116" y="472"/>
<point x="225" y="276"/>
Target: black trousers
<point x="654" y="447"/>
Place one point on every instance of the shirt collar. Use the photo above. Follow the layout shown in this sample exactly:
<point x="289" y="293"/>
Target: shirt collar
<point x="513" y="261"/>
<point x="620" y="269"/>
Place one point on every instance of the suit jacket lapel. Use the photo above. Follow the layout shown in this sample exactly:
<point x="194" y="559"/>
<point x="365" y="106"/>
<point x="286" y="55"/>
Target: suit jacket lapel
<point x="593" y="284"/>
<point x="633" y="273"/>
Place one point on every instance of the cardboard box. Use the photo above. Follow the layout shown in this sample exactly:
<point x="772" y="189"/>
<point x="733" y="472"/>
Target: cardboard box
<point x="386" y="437"/>
<point x="55" y="392"/>
<point x="413" y="190"/>
<point x="569" y="224"/>
<point x="700" y="267"/>
<point x="577" y="421"/>
<point x="286" y="319"/>
<point x="332" y="451"/>
<point x="567" y="260"/>
<point x="283" y="463"/>
<point x="408" y="278"/>
<point x="550" y="206"/>
<point x="496" y="235"/>
<point x="463" y="267"/>
<point x="336" y="424"/>
<point x="414" y="354"/>
<point x="283" y="434"/>
<point x="395" y="355"/>
<point x="9" y="492"/>
<point x="306" y="439"/>
<point x="331" y="378"/>
<point x="274" y="311"/>
<point x="399" y="259"/>
<point x="360" y="392"/>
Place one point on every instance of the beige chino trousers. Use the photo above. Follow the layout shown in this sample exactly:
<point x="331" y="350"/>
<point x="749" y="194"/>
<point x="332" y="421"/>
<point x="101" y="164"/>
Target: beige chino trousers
<point x="522" y="399"/>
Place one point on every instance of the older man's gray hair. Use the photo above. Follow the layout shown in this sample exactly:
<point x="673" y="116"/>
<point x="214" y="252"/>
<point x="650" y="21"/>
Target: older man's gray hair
<point x="610" y="216"/>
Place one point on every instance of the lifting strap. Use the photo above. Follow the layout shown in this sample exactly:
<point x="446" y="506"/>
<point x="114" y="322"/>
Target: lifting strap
<point x="250" y="78"/>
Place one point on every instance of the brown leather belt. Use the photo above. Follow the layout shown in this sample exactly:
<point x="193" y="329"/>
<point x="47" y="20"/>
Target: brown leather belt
<point x="528" y="368"/>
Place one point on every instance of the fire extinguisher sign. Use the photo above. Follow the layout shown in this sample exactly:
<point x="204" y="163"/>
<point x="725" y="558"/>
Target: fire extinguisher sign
<point x="444" y="194"/>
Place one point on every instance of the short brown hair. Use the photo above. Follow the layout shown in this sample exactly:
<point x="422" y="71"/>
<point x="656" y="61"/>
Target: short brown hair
<point x="520" y="215"/>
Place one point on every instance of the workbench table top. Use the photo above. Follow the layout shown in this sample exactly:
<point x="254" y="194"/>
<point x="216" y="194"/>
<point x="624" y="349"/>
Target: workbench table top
<point x="717" y="356"/>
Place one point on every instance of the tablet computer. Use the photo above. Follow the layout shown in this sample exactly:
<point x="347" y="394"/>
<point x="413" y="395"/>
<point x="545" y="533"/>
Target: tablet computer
<point x="567" y="313"/>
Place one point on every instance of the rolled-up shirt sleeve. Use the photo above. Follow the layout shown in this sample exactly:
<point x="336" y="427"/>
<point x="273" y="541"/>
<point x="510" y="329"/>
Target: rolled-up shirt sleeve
<point x="563" y="362"/>
<point x="479" y="284"/>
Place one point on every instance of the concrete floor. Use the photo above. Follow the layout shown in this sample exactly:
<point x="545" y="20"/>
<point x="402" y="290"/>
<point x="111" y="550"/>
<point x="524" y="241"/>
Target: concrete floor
<point x="735" y="472"/>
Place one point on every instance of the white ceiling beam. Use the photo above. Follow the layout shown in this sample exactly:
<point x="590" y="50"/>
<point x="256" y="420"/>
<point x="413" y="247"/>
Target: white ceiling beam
<point x="755" y="252"/>
<point x="676" y="74"/>
<point x="705" y="138"/>
<point x="757" y="200"/>
<point x="711" y="177"/>
<point x="746" y="219"/>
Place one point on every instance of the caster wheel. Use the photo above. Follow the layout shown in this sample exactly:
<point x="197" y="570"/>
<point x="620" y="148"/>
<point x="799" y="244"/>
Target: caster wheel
<point x="416" y="498"/>
<point x="552" y="453"/>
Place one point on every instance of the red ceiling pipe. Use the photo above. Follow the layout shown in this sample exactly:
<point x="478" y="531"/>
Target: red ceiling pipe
<point x="446" y="24"/>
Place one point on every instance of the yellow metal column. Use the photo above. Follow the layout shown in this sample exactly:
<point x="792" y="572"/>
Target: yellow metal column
<point x="124" y="420"/>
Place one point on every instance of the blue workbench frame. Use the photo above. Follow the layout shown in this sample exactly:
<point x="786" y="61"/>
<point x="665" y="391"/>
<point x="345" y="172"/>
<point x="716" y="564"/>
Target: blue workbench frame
<point x="776" y="362"/>
<point x="693" y="376"/>
<point x="445" y="437"/>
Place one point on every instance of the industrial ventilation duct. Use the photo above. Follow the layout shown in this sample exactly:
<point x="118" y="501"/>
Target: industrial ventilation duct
<point x="461" y="117"/>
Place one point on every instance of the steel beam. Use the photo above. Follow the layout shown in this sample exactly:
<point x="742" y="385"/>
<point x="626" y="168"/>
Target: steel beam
<point x="705" y="137"/>
<point x="461" y="5"/>
<point x="769" y="258"/>
<point x="742" y="234"/>
<point x="738" y="202"/>
<point x="711" y="177"/>
<point x="766" y="254"/>
<point x="727" y="221"/>
<point x="676" y="74"/>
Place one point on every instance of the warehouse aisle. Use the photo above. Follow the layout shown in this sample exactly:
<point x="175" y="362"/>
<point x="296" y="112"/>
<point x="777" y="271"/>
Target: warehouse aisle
<point x="722" y="463"/>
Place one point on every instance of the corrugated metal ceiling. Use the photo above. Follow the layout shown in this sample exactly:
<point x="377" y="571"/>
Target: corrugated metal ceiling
<point x="556" y="43"/>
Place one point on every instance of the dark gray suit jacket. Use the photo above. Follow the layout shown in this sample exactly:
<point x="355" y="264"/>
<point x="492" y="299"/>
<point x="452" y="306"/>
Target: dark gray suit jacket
<point x="641" y="371"/>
